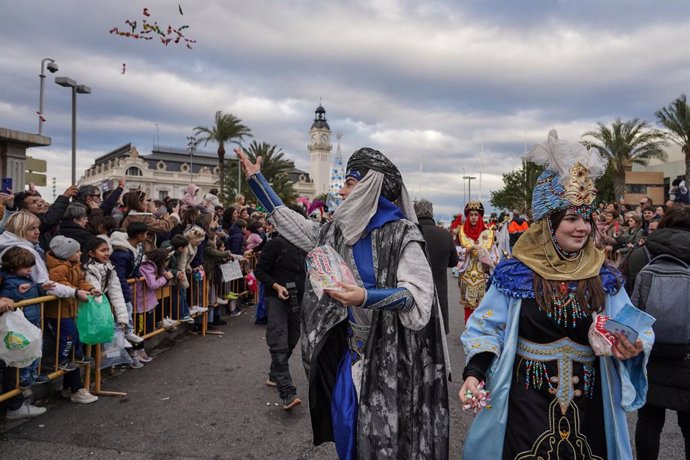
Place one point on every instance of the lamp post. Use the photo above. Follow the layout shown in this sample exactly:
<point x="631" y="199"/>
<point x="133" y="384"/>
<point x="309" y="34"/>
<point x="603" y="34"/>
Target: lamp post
<point x="76" y="89"/>
<point x="191" y="146"/>
<point x="469" y="180"/>
<point x="52" y="67"/>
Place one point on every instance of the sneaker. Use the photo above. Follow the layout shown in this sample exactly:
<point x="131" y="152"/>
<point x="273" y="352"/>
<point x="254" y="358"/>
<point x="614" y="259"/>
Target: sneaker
<point x="143" y="356"/>
<point x="84" y="360"/>
<point x="291" y="402"/>
<point x="24" y="384"/>
<point x="133" y="338"/>
<point x="168" y="323"/>
<point x="231" y="296"/>
<point x="235" y="313"/>
<point x="270" y="382"/>
<point x="26" y="410"/>
<point x="67" y="366"/>
<point x="222" y="301"/>
<point x="136" y="364"/>
<point x="83" y="397"/>
<point x="219" y="322"/>
<point x="187" y="319"/>
<point x="202" y="309"/>
<point x="41" y="379"/>
<point x="193" y="310"/>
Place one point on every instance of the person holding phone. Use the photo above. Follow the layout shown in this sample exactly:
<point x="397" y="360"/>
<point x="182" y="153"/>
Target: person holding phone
<point x="528" y="338"/>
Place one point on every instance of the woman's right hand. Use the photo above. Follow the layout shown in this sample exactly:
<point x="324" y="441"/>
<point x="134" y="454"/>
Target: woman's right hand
<point x="248" y="167"/>
<point x="470" y="384"/>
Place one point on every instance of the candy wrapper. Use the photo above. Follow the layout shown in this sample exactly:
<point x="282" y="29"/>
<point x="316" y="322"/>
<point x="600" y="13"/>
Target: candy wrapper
<point x="326" y="269"/>
<point x="478" y="400"/>
<point x="601" y="334"/>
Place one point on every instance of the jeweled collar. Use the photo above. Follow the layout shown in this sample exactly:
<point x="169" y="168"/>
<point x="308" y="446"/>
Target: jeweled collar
<point x="515" y="279"/>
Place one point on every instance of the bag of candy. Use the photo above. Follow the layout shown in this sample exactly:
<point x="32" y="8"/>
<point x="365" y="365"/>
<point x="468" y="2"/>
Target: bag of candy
<point x="326" y="270"/>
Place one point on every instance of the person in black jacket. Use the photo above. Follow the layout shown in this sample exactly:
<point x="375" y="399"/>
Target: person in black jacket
<point x="281" y="268"/>
<point x="669" y="364"/>
<point x="440" y="251"/>
<point x="74" y="224"/>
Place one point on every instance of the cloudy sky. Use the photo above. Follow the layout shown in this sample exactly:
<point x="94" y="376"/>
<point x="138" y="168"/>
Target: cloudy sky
<point x="430" y="81"/>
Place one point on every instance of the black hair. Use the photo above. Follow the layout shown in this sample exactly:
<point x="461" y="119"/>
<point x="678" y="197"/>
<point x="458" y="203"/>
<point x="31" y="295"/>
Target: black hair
<point x="179" y="241"/>
<point x="135" y="229"/>
<point x="92" y="244"/>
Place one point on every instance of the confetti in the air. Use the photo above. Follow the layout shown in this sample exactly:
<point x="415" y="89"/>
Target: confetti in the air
<point x="149" y="31"/>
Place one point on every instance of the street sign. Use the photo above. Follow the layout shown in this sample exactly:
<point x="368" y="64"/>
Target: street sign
<point x="38" y="179"/>
<point x="35" y="165"/>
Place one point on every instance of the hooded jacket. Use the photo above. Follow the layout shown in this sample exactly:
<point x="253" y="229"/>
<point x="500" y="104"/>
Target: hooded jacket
<point x="39" y="272"/>
<point x="104" y="277"/>
<point x="147" y="289"/>
<point x="73" y="230"/>
<point x="189" y="197"/>
<point x="156" y="225"/>
<point x="69" y="274"/>
<point x="49" y="219"/>
<point x="126" y="260"/>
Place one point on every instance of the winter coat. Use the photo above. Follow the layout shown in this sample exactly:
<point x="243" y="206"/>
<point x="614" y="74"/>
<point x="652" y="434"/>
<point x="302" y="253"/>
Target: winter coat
<point x="126" y="260"/>
<point x="442" y="254"/>
<point x="668" y="369"/>
<point x="235" y="242"/>
<point x="39" y="272"/>
<point x="146" y="290"/>
<point x="253" y="241"/>
<point x="281" y="262"/>
<point x="181" y="262"/>
<point x="212" y="259"/>
<point x="104" y="278"/>
<point x="157" y="226"/>
<point x="73" y="230"/>
<point x="68" y="274"/>
<point x="10" y="287"/>
<point x="189" y="197"/>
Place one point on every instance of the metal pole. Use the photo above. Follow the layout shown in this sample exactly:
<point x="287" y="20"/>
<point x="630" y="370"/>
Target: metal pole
<point x="74" y="135"/>
<point x="42" y="78"/>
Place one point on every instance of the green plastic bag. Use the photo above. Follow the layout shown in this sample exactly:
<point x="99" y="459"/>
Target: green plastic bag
<point x="95" y="321"/>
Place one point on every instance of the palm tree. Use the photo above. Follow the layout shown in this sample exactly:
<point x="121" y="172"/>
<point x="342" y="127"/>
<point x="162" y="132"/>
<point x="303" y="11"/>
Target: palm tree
<point x="676" y="118"/>
<point x="228" y="128"/>
<point x="274" y="166"/>
<point x="627" y="143"/>
<point x="518" y="185"/>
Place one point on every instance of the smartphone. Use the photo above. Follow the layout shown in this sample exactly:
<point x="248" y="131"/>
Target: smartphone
<point x="614" y="326"/>
<point x="7" y="185"/>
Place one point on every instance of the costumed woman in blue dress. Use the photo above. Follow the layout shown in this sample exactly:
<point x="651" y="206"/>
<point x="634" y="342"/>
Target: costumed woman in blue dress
<point x="551" y="396"/>
<point x="373" y="352"/>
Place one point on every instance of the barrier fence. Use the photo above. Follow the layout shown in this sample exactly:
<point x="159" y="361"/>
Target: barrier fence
<point x="147" y="324"/>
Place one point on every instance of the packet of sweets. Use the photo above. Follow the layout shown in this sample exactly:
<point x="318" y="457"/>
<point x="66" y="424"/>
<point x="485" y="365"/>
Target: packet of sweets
<point x="326" y="270"/>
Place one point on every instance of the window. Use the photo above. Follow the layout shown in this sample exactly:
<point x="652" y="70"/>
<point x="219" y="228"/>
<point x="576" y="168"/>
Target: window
<point x="133" y="171"/>
<point x="636" y="188"/>
<point x="162" y="195"/>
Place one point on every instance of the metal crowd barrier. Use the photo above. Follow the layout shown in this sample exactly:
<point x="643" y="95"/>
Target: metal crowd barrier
<point x="199" y="295"/>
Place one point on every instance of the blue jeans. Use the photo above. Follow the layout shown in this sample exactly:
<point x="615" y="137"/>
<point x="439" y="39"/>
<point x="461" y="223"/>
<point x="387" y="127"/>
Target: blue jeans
<point x="69" y="337"/>
<point x="28" y="374"/>
<point x="179" y="299"/>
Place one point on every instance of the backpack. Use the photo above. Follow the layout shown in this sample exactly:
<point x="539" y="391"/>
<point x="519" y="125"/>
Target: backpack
<point x="662" y="289"/>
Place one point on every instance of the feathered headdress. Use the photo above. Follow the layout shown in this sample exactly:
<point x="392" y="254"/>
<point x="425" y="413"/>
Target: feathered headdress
<point x="568" y="180"/>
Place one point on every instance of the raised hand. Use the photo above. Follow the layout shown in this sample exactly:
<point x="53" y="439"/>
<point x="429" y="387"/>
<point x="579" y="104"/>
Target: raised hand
<point x="248" y="167"/>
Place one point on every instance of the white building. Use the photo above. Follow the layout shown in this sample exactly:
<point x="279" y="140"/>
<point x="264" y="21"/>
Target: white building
<point x="320" y="149"/>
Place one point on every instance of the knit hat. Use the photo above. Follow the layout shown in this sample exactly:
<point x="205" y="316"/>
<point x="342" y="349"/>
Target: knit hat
<point x="63" y="248"/>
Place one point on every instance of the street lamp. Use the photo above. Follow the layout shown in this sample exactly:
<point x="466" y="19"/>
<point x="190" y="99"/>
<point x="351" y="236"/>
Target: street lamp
<point x="76" y="89"/>
<point x="469" y="180"/>
<point x="191" y="146"/>
<point x="52" y="67"/>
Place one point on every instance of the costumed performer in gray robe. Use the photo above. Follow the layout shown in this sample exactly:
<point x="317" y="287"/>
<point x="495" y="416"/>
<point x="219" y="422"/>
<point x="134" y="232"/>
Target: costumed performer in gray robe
<point x="373" y="352"/>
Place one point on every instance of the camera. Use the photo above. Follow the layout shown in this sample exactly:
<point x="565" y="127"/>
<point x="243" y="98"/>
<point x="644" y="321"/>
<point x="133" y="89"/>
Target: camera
<point x="293" y="300"/>
<point x="52" y="67"/>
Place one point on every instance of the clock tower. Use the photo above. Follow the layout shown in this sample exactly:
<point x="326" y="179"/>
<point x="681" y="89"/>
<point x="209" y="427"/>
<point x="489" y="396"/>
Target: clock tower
<point x="320" y="152"/>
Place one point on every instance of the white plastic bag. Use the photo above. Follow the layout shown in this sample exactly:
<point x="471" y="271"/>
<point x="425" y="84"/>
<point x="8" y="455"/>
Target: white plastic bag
<point x="115" y="352"/>
<point x="20" y="341"/>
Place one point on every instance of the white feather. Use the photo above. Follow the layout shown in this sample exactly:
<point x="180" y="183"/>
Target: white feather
<point x="560" y="156"/>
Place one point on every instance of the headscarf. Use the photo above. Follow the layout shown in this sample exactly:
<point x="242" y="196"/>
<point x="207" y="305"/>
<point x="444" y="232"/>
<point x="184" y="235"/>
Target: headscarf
<point x="377" y="177"/>
<point x="473" y="231"/>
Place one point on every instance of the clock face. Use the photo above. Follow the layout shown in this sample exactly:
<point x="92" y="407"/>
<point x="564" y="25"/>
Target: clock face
<point x="314" y="138"/>
<point x="324" y="139"/>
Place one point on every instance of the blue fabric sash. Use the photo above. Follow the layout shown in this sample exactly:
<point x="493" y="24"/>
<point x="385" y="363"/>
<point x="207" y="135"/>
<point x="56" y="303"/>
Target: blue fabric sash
<point x="344" y="410"/>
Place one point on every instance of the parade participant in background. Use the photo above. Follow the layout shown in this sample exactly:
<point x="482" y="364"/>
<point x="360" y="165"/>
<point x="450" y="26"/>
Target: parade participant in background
<point x="679" y="191"/>
<point x="374" y="355"/>
<point x="440" y="251"/>
<point x="516" y="227"/>
<point x="481" y="256"/>
<point x="529" y="337"/>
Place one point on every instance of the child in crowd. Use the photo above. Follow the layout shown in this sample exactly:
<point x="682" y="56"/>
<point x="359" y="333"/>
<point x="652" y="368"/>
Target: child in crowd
<point x="213" y="257"/>
<point x="64" y="267"/>
<point x="17" y="285"/>
<point x="255" y="237"/>
<point x="100" y="272"/>
<point x="195" y="235"/>
<point x="106" y="228"/>
<point x="126" y="258"/>
<point x="155" y="271"/>
<point x="179" y="262"/>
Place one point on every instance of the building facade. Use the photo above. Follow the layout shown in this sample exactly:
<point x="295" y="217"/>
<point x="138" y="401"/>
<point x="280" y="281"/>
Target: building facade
<point x="654" y="180"/>
<point x="320" y="152"/>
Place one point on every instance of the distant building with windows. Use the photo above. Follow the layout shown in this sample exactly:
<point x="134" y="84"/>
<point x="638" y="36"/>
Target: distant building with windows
<point x="654" y="180"/>
<point x="167" y="171"/>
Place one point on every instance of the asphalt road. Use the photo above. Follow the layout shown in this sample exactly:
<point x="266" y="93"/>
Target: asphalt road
<point x="206" y="398"/>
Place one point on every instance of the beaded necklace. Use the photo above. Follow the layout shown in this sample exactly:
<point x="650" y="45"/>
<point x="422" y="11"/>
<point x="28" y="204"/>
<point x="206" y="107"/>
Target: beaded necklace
<point x="564" y="303"/>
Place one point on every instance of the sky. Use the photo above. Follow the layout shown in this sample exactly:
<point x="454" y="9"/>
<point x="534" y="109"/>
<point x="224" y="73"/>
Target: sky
<point x="451" y="88"/>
